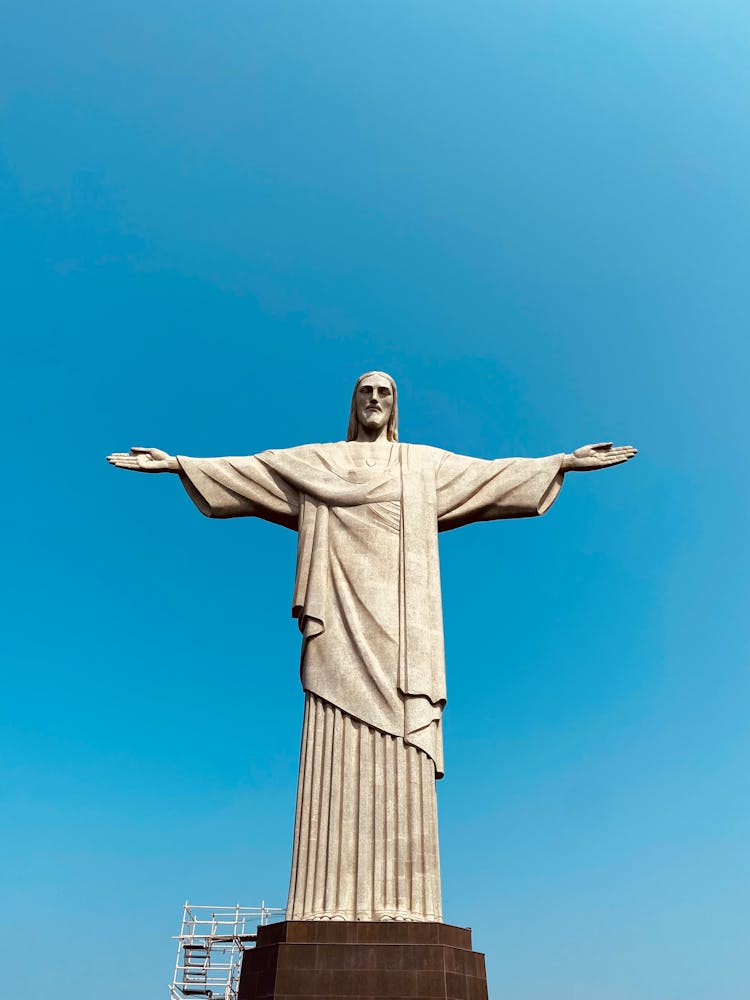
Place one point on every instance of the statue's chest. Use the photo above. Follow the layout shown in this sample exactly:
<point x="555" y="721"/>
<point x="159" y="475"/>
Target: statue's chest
<point x="363" y="472"/>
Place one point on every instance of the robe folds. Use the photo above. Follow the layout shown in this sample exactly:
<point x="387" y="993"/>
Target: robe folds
<point x="367" y="600"/>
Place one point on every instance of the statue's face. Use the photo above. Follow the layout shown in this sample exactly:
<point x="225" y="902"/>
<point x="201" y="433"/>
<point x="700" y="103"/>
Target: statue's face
<point x="374" y="402"/>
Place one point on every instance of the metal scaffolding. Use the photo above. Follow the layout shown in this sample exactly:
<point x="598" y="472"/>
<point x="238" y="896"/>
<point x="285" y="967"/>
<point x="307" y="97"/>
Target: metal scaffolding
<point x="210" y="945"/>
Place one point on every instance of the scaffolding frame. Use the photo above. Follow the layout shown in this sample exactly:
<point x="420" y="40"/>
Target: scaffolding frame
<point x="210" y="946"/>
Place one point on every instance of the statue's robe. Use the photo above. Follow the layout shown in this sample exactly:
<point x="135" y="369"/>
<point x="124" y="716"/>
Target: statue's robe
<point x="367" y="598"/>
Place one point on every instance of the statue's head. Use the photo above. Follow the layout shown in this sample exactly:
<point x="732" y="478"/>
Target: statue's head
<point x="374" y="403"/>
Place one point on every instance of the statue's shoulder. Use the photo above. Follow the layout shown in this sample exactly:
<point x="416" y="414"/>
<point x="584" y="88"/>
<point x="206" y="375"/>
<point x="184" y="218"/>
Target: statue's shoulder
<point x="424" y="455"/>
<point x="305" y="459"/>
<point x="306" y="452"/>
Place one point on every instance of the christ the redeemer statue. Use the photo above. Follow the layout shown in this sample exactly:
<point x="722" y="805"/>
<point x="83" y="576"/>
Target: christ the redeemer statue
<point x="367" y="599"/>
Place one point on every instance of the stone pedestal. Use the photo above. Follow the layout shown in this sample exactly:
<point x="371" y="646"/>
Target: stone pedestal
<point x="313" y="960"/>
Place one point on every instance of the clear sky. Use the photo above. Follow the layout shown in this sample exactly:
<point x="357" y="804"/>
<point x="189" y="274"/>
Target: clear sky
<point x="215" y="216"/>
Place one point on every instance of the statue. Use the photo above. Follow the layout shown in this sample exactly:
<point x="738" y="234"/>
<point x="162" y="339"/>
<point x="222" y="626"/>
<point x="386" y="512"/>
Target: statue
<point x="367" y="600"/>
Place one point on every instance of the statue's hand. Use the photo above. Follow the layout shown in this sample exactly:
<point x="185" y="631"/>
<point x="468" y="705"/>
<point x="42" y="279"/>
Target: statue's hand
<point x="144" y="460"/>
<point x="597" y="456"/>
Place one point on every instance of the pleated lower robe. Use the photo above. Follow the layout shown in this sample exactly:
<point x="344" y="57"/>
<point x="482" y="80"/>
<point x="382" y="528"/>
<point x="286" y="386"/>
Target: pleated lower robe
<point x="365" y="834"/>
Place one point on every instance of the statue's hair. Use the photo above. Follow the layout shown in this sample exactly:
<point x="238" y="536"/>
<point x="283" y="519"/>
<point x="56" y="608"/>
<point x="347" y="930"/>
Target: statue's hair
<point x="392" y="428"/>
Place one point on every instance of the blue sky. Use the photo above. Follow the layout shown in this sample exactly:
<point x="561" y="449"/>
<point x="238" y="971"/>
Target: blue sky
<point x="536" y="217"/>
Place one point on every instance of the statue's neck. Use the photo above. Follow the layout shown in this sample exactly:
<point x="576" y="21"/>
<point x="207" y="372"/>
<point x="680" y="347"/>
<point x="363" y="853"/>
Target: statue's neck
<point x="376" y="436"/>
<point x="371" y="454"/>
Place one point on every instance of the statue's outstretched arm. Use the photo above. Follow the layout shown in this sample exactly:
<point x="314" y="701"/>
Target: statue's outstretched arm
<point x="597" y="456"/>
<point x="144" y="460"/>
<point x="233" y="486"/>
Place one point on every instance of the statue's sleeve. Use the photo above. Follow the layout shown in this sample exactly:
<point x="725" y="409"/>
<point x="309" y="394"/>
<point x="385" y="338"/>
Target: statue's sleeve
<point x="239" y="487"/>
<point x="475" y="489"/>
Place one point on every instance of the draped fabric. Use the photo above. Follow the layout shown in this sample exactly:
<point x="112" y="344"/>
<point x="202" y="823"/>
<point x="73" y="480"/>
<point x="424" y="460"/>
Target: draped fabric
<point x="365" y="833"/>
<point x="373" y="639"/>
<point x="367" y="600"/>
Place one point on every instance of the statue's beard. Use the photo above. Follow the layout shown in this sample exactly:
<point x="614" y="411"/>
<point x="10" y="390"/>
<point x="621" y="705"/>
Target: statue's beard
<point x="373" y="418"/>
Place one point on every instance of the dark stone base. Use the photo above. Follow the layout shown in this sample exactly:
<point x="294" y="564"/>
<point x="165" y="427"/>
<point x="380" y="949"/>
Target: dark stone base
<point x="316" y="959"/>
